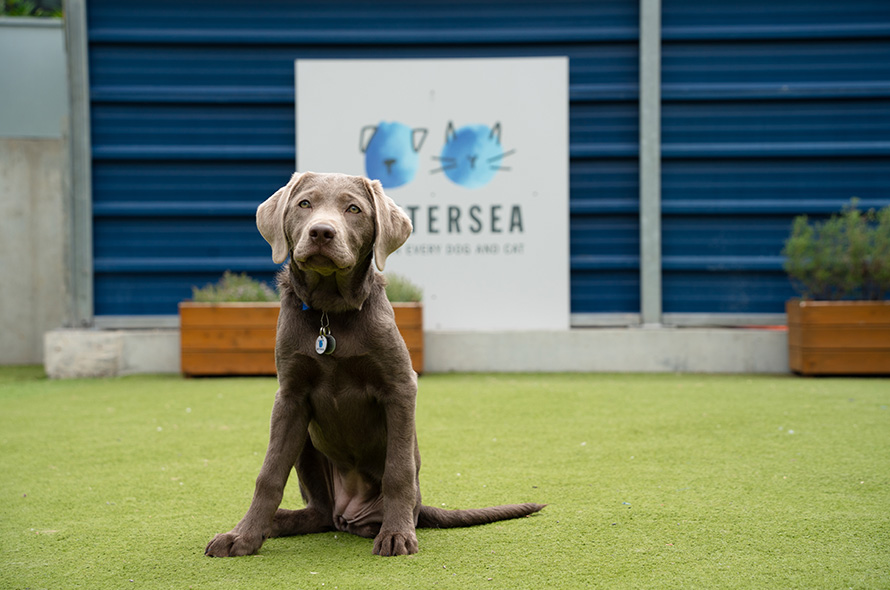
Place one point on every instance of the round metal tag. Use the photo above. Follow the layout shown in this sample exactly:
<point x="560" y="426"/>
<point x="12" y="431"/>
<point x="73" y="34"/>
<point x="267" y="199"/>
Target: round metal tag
<point x="321" y="344"/>
<point x="331" y="345"/>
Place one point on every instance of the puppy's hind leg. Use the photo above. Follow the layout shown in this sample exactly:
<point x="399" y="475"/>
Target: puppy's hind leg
<point x="300" y="522"/>
<point x="316" y="487"/>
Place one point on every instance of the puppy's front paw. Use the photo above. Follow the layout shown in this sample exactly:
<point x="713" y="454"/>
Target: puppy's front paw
<point x="233" y="544"/>
<point x="395" y="543"/>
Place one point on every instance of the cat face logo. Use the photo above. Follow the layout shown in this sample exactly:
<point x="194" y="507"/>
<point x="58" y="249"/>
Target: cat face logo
<point x="472" y="154"/>
<point x="391" y="152"/>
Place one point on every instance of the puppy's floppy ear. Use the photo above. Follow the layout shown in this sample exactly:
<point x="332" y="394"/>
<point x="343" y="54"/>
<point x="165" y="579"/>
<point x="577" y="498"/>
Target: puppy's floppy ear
<point x="393" y="226"/>
<point x="270" y="218"/>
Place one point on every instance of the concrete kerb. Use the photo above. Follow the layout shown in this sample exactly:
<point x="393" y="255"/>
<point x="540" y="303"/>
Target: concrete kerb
<point x="77" y="353"/>
<point x="72" y="353"/>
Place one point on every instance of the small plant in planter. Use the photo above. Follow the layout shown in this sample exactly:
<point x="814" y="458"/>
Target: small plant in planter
<point x="401" y="290"/>
<point x="229" y="328"/>
<point x="405" y="298"/>
<point x="841" y="267"/>
<point x="845" y="257"/>
<point x="235" y="288"/>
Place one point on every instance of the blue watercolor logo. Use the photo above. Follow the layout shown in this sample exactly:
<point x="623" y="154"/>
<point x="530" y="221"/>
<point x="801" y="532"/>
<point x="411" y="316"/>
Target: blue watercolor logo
<point x="472" y="155"/>
<point x="391" y="152"/>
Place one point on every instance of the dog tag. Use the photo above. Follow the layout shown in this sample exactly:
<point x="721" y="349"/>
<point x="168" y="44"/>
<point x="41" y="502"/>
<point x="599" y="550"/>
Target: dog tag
<point x="321" y="344"/>
<point x="325" y="343"/>
<point x="332" y="344"/>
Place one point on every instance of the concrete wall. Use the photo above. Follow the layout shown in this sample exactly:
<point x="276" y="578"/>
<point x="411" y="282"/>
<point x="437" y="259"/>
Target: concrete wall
<point x="109" y="353"/>
<point x="33" y="293"/>
<point x="33" y="186"/>
<point x="611" y="350"/>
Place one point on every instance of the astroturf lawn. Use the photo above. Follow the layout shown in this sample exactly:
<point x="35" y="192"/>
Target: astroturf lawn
<point x="651" y="481"/>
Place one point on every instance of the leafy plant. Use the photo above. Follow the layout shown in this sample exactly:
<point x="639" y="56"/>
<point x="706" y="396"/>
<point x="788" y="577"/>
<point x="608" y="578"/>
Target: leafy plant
<point x="879" y="276"/>
<point x="234" y="287"/>
<point x="48" y="8"/>
<point x="844" y="257"/>
<point x="400" y="289"/>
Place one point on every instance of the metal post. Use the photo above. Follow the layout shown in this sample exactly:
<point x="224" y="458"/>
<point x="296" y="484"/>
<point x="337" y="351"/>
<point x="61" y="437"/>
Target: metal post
<point x="80" y="214"/>
<point x="650" y="162"/>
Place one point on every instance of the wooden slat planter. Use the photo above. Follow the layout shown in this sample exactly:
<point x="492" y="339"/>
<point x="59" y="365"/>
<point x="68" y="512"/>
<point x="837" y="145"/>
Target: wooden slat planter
<point x="839" y="337"/>
<point x="239" y="338"/>
<point x="228" y="338"/>
<point x="409" y="319"/>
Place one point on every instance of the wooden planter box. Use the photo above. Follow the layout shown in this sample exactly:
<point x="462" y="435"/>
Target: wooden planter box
<point x="409" y="319"/>
<point x="839" y="337"/>
<point x="239" y="338"/>
<point x="228" y="338"/>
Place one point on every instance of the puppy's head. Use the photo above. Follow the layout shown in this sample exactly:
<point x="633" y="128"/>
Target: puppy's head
<point x="328" y="223"/>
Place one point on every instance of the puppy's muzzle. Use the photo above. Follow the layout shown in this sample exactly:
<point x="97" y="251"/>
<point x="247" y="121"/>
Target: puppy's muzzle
<point x="322" y="234"/>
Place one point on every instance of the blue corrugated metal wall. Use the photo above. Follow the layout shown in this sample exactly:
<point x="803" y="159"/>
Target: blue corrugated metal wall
<point x="770" y="109"/>
<point x="193" y="126"/>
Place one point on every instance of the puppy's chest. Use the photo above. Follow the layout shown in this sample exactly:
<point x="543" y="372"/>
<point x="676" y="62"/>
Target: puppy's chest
<point x="347" y="423"/>
<point x="340" y="399"/>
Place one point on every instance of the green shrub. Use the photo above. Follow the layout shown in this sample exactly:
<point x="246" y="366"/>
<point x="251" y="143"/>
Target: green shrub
<point x="844" y="257"/>
<point x="400" y="289"/>
<point x="234" y="287"/>
<point x="34" y="8"/>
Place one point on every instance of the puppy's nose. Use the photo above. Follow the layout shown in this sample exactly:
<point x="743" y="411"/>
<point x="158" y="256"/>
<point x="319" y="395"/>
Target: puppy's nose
<point x="322" y="233"/>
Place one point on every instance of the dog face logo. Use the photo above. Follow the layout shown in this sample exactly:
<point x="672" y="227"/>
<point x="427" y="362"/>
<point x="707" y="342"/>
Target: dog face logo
<point x="472" y="154"/>
<point x="391" y="152"/>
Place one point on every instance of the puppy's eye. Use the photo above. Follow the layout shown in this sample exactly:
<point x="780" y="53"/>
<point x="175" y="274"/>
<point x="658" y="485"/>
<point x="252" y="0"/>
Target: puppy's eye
<point x="354" y="209"/>
<point x="304" y="204"/>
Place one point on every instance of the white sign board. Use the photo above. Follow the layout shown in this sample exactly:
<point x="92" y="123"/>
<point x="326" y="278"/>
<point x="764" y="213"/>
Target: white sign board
<point x="476" y="152"/>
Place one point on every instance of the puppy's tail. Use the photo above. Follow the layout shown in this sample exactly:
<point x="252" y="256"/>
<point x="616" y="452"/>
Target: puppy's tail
<point x="439" y="518"/>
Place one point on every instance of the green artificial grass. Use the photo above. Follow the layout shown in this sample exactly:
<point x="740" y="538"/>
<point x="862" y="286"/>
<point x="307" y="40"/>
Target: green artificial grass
<point x="652" y="481"/>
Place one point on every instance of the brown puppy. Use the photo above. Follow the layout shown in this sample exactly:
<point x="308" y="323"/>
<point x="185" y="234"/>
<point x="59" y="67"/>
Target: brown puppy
<point x="344" y="412"/>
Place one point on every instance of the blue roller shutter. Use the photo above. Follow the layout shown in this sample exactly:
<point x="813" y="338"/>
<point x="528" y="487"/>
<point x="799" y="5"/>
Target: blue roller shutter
<point x="770" y="109"/>
<point x="193" y="126"/>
